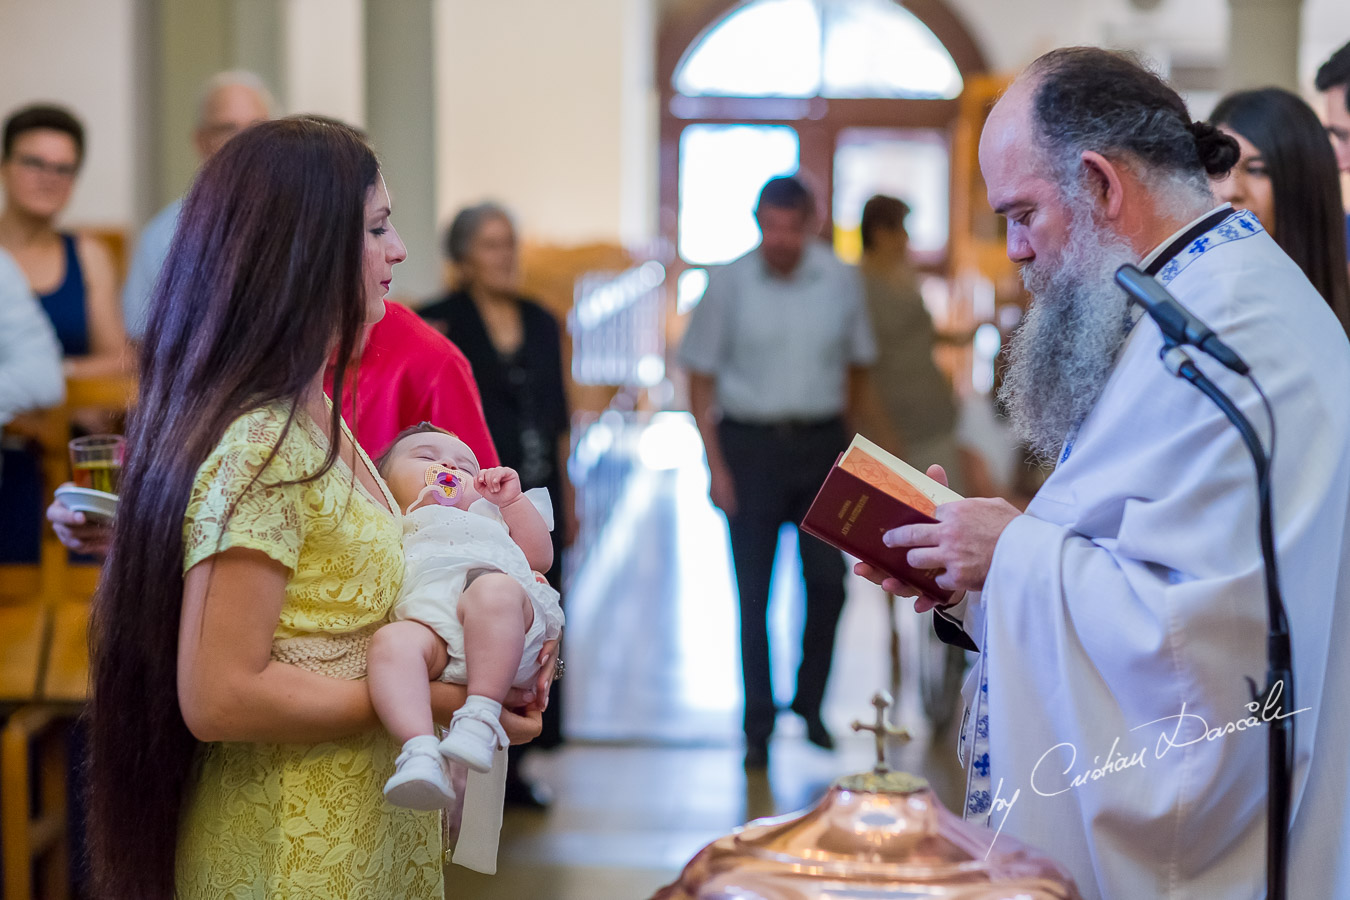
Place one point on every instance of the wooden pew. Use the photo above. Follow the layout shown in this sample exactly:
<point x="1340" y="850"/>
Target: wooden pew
<point x="44" y="662"/>
<point x="43" y="837"/>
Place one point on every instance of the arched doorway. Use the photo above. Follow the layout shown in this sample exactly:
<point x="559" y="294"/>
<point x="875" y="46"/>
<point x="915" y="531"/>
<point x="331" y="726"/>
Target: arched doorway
<point x="858" y="95"/>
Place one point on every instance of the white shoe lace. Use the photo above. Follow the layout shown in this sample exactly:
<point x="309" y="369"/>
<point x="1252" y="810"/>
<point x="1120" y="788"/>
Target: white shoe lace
<point x="491" y="721"/>
<point x="419" y="750"/>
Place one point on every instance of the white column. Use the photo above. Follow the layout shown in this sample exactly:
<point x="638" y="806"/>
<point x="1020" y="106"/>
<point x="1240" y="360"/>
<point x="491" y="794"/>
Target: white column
<point x="193" y="43"/>
<point x="259" y="41"/>
<point x="1263" y="41"/>
<point x="401" y="121"/>
<point x="188" y="43"/>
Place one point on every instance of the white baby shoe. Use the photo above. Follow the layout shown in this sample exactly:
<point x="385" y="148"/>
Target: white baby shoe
<point x="420" y="779"/>
<point x="475" y="734"/>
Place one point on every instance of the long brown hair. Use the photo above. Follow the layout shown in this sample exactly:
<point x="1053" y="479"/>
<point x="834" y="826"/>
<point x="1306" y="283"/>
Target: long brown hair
<point x="262" y="281"/>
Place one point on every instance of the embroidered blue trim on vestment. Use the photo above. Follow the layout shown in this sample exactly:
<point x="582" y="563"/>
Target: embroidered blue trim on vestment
<point x="1241" y="224"/>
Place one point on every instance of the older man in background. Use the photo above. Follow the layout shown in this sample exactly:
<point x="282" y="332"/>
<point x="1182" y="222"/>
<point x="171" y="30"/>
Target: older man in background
<point x="1122" y="620"/>
<point x="230" y="102"/>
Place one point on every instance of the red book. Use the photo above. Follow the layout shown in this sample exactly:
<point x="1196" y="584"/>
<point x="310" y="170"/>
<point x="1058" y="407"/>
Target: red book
<point x="867" y="493"/>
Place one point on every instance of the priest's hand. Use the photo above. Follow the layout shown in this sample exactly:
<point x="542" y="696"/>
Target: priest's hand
<point x="961" y="543"/>
<point x="895" y="585"/>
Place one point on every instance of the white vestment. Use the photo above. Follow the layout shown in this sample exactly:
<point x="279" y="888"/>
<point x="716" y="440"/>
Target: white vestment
<point x="1132" y="589"/>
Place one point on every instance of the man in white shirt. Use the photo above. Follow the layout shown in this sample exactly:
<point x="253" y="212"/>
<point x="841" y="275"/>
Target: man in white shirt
<point x="230" y="102"/>
<point x="1121" y="618"/>
<point x="778" y="351"/>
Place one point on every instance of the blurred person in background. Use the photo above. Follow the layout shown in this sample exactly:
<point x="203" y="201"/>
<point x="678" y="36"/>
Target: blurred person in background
<point x="72" y="275"/>
<point x="73" y="278"/>
<point x="230" y="102"/>
<point x="779" y="352"/>
<point x="30" y="357"/>
<point x="515" y="348"/>
<point x="1287" y="176"/>
<point x="915" y="394"/>
<point x="1333" y="81"/>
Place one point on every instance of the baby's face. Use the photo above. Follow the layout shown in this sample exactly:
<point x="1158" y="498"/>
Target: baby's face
<point x="406" y="469"/>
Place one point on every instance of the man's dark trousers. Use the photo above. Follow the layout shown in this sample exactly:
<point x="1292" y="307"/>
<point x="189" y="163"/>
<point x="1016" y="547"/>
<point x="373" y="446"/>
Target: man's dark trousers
<point x="777" y="469"/>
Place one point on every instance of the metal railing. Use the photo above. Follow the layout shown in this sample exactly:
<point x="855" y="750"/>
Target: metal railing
<point x="618" y="327"/>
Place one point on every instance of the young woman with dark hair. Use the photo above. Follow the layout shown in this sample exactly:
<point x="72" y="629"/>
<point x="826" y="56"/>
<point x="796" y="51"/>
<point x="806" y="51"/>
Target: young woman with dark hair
<point x="252" y="530"/>
<point x="73" y="275"/>
<point x="1287" y="176"/>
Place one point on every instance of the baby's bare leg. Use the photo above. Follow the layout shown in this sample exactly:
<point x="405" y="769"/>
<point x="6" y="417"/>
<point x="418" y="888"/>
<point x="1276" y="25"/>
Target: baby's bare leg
<point x="402" y="659"/>
<point x="496" y="613"/>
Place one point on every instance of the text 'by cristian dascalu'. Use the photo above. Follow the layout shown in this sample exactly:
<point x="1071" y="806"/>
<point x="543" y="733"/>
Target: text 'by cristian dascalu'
<point x="1058" y="772"/>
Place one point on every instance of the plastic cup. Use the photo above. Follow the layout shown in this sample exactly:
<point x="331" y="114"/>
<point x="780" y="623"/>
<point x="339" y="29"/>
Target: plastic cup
<point x="96" y="461"/>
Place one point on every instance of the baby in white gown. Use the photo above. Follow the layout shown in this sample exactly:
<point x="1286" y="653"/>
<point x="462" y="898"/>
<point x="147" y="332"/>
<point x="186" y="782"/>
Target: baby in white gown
<point x="471" y="610"/>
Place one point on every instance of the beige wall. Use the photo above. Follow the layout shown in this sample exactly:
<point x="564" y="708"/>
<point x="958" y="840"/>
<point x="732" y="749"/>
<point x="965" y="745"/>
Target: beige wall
<point x="1014" y="32"/>
<point x="325" y="59"/>
<point x="79" y="53"/>
<point x="1326" y="27"/>
<point x="1178" y="32"/>
<point x="542" y="108"/>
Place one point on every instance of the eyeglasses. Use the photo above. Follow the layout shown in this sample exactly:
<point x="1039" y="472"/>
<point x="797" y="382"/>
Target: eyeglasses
<point x="42" y="167"/>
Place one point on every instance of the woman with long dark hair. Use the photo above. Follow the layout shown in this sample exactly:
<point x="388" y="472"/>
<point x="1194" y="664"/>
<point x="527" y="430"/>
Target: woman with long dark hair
<point x="234" y="753"/>
<point x="1286" y="175"/>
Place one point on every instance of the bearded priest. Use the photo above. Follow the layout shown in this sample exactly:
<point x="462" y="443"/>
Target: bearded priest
<point x="1122" y="617"/>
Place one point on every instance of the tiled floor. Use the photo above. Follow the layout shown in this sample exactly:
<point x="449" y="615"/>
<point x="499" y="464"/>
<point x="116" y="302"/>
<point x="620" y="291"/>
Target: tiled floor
<point x="652" y="770"/>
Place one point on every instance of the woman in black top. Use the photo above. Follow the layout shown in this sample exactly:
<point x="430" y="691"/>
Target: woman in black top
<point x="515" y="348"/>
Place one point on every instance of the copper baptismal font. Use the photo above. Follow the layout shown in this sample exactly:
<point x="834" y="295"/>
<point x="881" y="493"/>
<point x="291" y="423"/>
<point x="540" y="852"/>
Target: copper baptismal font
<point x="882" y="835"/>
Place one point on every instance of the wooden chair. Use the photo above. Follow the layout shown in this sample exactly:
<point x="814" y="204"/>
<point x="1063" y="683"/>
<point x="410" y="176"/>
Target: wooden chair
<point x="42" y="837"/>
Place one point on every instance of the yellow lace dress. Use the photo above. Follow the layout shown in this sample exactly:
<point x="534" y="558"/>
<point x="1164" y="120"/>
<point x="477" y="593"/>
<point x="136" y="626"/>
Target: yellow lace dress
<point x="301" y="820"/>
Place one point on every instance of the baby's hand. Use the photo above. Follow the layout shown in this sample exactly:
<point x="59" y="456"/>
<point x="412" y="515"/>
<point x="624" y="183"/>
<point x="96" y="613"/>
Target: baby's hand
<point x="499" y="486"/>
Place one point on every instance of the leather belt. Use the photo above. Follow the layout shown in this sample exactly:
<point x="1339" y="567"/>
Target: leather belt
<point x="786" y="427"/>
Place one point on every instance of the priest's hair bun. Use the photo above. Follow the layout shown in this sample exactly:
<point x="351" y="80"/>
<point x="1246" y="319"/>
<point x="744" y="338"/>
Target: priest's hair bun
<point x="1218" y="151"/>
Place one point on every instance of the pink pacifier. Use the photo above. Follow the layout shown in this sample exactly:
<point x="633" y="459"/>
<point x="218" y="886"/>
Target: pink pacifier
<point x="445" y="484"/>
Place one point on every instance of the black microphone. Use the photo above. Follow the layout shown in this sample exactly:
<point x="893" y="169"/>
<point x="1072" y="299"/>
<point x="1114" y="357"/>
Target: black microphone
<point x="1176" y="322"/>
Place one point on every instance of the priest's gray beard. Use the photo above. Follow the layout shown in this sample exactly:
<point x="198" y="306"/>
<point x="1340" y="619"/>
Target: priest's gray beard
<point x="1064" y="351"/>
